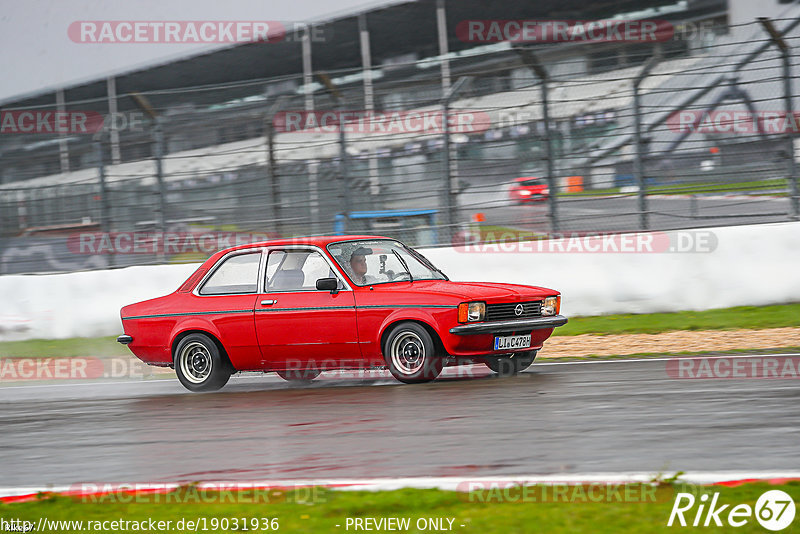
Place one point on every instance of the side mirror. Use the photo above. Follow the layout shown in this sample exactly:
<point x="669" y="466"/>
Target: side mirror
<point x="328" y="284"/>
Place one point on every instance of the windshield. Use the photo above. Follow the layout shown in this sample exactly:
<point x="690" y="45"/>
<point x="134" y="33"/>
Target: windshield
<point x="379" y="261"/>
<point x="532" y="181"/>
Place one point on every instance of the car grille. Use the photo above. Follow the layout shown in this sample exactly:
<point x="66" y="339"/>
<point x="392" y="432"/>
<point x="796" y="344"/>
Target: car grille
<point x="506" y="311"/>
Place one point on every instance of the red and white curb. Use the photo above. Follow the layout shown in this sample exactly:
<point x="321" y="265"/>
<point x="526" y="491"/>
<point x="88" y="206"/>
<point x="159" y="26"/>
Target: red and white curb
<point x="699" y="478"/>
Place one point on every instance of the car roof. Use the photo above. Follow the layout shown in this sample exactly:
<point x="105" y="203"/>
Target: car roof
<point x="318" y="241"/>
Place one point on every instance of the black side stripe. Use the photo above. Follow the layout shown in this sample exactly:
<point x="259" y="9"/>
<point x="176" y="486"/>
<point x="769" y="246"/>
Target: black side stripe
<point x="158" y="315"/>
<point x="305" y="308"/>
<point x="444" y="306"/>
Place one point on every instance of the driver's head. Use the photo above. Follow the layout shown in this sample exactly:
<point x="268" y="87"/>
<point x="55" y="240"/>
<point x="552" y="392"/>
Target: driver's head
<point x="358" y="262"/>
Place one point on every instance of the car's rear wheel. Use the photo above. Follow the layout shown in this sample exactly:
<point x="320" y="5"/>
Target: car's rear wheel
<point x="410" y="354"/>
<point x="511" y="364"/>
<point x="199" y="364"/>
<point x="298" y="375"/>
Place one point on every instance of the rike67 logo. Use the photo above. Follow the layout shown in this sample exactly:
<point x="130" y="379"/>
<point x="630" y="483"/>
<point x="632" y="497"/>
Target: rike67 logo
<point x="774" y="510"/>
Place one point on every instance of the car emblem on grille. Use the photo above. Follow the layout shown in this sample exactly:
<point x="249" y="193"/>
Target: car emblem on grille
<point x="518" y="310"/>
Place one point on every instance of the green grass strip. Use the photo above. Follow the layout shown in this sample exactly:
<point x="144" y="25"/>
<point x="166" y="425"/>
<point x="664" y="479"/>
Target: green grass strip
<point x="755" y="317"/>
<point x="636" y="508"/>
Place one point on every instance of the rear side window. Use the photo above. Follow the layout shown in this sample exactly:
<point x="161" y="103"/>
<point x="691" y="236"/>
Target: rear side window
<point x="237" y="275"/>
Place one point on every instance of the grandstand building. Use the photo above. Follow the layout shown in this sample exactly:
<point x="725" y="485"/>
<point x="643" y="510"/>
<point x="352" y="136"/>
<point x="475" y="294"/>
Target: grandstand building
<point x="201" y="131"/>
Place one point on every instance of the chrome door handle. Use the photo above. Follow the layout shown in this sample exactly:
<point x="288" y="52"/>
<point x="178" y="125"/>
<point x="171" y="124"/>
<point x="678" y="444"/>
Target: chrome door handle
<point x="268" y="302"/>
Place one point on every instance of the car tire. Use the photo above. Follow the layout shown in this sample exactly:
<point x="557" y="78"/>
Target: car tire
<point x="199" y="364"/>
<point x="298" y="375"/>
<point x="410" y="354"/>
<point x="511" y="364"/>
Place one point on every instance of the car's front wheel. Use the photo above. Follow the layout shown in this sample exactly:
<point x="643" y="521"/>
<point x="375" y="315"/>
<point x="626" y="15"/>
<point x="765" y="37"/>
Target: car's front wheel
<point x="199" y="364"/>
<point x="511" y="364"/>
<point x="411" y="354"/>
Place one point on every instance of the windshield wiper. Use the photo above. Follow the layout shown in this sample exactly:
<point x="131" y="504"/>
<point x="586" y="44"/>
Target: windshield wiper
<point x="405" y="266"/>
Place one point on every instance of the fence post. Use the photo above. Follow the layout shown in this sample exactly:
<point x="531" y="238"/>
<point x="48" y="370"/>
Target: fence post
<point x="783" y="47"/>
<point x="344" y="175"/>
<point x="161" y="218"/>
<point x="447" y="198"/>
<point x="532" y="62"/>
<point x="105" y="210"/>
<point x="638" y="163"/>
<point x="272" y="168"/>
<point x="344" y="170"/>
<point x="552" y="184"/>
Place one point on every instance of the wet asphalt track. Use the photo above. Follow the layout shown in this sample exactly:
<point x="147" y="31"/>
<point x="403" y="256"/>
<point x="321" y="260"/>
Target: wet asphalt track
<point x="555" y="418"/>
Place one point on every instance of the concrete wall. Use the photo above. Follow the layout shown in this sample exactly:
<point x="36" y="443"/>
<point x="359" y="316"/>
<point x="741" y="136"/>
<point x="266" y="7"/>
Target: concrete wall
<point x="731" y="266"/>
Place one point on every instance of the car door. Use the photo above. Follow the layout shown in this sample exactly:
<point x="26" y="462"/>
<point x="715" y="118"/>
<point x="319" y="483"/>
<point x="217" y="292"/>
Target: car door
<point x="226" y="299"/>
<point x="297" y="325"/>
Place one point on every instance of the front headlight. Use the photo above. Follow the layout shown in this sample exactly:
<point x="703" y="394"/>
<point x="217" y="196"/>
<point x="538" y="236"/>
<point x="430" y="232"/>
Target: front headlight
<point x="551" y="306"/>
<point x="471" y="311"/>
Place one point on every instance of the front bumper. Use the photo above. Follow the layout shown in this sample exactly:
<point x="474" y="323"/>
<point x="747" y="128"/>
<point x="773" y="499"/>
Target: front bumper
<point x="496" y="327"/>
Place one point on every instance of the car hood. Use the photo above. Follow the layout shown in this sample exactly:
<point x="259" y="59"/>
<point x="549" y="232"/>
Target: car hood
<point x="489" y="292"/>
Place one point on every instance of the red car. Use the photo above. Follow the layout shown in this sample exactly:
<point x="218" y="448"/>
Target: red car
<point x="302" y="306"/>
<point x="529" y="189"/>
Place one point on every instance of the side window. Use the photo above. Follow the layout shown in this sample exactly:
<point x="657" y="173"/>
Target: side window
<point x="315" y="268"/>
<point x="239" y="274"/>
<point x="296" y="270"/>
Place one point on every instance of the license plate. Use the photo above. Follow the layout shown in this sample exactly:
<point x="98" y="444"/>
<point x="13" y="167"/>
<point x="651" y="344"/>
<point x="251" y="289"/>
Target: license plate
<point x="512" y="342"/>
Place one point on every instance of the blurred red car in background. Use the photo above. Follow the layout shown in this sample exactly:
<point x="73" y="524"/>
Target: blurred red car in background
<point x="529" y="189"/>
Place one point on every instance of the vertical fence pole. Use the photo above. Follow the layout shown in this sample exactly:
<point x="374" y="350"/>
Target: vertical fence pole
<point x="307" y="68"/>
<point x="447" y="197"/>
<point x="532" y="62"/>
<point x="161" y="216"/>
<point x="638" y="152"/>
<point x="272" y="176"/>
<point x="638" y="167"/>
<point x="369" y="100"/>
<point x="790" y="134"/>
<point x="552" y="184"/>
<point x="273" y="180"/>
<point x="105" y="209"/>
<point x="789" y="122"/>
<point x="63" y="147"/>
<point x="344" y="171"/>
<point x="313" y="195"/>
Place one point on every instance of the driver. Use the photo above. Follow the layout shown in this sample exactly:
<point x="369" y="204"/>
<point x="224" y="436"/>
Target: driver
<point x="358" y="266"/>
